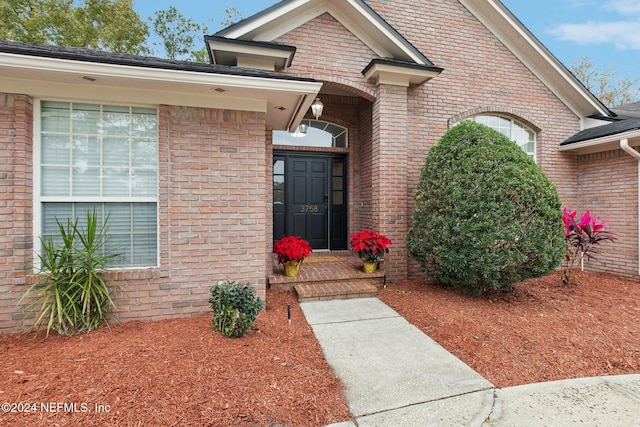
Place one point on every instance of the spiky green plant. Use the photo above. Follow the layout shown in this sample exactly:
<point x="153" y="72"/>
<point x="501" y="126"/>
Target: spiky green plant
<point x="72" y="294"/>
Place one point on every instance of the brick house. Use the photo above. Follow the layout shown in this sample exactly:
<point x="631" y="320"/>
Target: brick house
<point x="202" y="166"/>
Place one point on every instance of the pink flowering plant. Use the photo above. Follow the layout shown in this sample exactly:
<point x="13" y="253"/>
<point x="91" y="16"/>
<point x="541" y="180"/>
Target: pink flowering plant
<point x="291" y="248"/>
<point x="370" y="245"/>
<point x="584" y="235"/>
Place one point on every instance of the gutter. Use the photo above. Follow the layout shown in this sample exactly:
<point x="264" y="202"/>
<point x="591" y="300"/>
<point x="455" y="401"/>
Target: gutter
<point x="624" y="145"/>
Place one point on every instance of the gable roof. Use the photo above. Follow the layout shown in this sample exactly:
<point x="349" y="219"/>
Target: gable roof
<point x="355" y="15"/>
<point x="535" y="56"/>
<point x="86" y="74"/>
<point x="386" y="42"/>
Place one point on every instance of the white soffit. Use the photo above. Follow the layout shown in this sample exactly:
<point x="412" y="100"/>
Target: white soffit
<point x="535" y="56"/>
<point x="398" y="75"/>
<point x="280" y="20"/>
<point x="280" y="99"/>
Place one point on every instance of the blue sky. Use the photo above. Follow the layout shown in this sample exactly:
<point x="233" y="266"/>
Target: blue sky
<point x="607" y="31"/>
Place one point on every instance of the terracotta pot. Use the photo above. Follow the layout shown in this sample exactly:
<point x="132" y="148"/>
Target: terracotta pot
<point x="369" y="266"/>
<point x="292" y="268"/>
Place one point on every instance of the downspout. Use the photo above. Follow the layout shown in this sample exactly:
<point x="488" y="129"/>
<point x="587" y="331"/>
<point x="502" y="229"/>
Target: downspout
<point x="624" y="145"/>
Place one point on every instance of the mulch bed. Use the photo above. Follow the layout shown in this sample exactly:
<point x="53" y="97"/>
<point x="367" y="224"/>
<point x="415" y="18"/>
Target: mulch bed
<point x="543" y="331"/>
<point x="181" y="372"/>
<point x="176" y="372"/>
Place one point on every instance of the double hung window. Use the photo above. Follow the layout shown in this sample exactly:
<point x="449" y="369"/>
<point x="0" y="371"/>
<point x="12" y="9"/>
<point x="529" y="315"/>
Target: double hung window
<point x="102" y="157"/>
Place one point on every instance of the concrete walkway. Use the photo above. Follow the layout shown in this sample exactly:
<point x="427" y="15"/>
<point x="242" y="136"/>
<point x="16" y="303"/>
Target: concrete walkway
<point x="395" y="375"/>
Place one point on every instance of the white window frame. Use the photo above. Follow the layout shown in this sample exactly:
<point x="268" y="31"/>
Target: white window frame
<point x="38" y="199"/>
<point x="300" y="138"/>
<point x="513" y="124"/>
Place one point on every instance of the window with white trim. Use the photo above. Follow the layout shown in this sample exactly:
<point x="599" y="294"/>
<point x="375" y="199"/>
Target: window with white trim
<point x="102" y="157"/>
<point x="514" y="130"/>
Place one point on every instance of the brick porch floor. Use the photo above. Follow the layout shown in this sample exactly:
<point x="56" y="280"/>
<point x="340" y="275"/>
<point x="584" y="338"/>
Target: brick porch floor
<point x="329" y="280"/>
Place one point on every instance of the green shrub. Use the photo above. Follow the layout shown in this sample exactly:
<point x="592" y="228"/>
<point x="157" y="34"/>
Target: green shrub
<point x="71" y="294"/>
<point x="486" y="216"/>
<point x="235" y="308"/>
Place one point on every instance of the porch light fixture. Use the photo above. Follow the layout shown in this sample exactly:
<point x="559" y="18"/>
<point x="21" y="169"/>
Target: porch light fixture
<point x="301" y="131"/>
<point x="316" y="108"/>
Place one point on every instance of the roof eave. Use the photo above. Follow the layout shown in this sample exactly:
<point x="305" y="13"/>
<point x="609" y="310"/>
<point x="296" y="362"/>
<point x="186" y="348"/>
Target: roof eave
<point x="382" y="71"/>
<point x="605" y="143"/>
<point x="231" y="52"/>
<point x="536" y="57"/>
<point x="280" y="99"/>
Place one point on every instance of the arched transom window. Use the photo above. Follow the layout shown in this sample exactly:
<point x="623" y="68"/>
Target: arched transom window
<point x="514" y="130"/>
<point x="313" y="133"/>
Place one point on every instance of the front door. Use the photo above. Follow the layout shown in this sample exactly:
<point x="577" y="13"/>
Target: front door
<point x="309" y="196"/>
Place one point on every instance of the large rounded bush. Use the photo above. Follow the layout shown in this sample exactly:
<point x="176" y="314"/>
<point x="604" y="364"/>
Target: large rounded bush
<point x="486" y="215"/>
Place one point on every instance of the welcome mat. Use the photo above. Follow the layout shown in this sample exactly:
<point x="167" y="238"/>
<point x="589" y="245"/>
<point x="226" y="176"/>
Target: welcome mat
<point x="322" y="258"/>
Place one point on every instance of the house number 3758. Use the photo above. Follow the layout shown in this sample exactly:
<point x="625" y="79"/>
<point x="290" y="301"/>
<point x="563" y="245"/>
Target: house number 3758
<point x="309" y="208"/>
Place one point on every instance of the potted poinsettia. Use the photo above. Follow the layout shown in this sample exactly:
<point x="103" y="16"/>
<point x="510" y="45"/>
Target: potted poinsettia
<point x="291" y="252"/>
<point x="370" y="247"/>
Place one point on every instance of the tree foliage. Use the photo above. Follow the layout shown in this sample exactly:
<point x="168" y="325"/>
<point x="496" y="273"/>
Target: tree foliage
<point x="232" y="16"/>
<point x="110" y="25"/>
<point x="486" y="216"/>
<point x="178" y="34"/>
<point x="606" y="85"/>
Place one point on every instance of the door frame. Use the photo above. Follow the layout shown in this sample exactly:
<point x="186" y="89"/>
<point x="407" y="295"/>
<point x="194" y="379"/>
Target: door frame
<point x="337" y="214"/>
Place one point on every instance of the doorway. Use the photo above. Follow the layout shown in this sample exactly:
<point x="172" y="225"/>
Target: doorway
<point x="309" y="198"/>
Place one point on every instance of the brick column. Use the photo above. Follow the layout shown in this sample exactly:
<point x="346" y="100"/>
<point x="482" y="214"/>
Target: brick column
<point x="16" y="202"/>
<point x="389" y="181"/>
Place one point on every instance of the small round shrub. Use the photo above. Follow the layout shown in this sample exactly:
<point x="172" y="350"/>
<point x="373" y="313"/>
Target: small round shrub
<point x="486" y="216"/>
<point x="235" y="308"/>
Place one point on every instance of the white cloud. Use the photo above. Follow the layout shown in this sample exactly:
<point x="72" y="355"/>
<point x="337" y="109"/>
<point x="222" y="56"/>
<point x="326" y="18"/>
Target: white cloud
<point x="624" y="35"/>
<point x="581" y="3"/>
<point x="624" y="7"/>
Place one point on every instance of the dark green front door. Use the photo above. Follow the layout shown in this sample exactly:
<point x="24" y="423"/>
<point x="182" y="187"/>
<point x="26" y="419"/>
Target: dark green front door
<point x="309" y="199"/>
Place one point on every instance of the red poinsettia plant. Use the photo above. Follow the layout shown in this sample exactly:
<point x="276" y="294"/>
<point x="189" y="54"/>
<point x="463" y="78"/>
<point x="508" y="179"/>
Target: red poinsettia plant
<point x="583" y="236"/>
<point x="291" y="248"/>
<point x="370" y="245"/>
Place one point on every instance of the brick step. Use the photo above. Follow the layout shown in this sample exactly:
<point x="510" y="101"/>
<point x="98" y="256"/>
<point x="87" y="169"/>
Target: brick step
<point x="315" y="291"/>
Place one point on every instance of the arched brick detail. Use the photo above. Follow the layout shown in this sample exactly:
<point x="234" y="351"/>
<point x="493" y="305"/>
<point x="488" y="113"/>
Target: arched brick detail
<point x="499" y="110"/>
<point x="363" y="89"/>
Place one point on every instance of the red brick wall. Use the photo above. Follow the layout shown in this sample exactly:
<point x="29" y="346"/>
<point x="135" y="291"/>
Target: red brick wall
<point x="215" y="166"/>
<point x="16" y="199"/>
<point x="361" y="170"/>
<point x="212" y="213"/>
<point x="608" y="188"/>
<point x="480" y="75"/>
<point x="390" y="201"/>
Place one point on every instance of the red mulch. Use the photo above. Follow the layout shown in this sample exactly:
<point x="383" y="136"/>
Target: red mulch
<point x="181" y="372"/>
<point x="176" y="372"/>
<point x="543" y="331"/>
